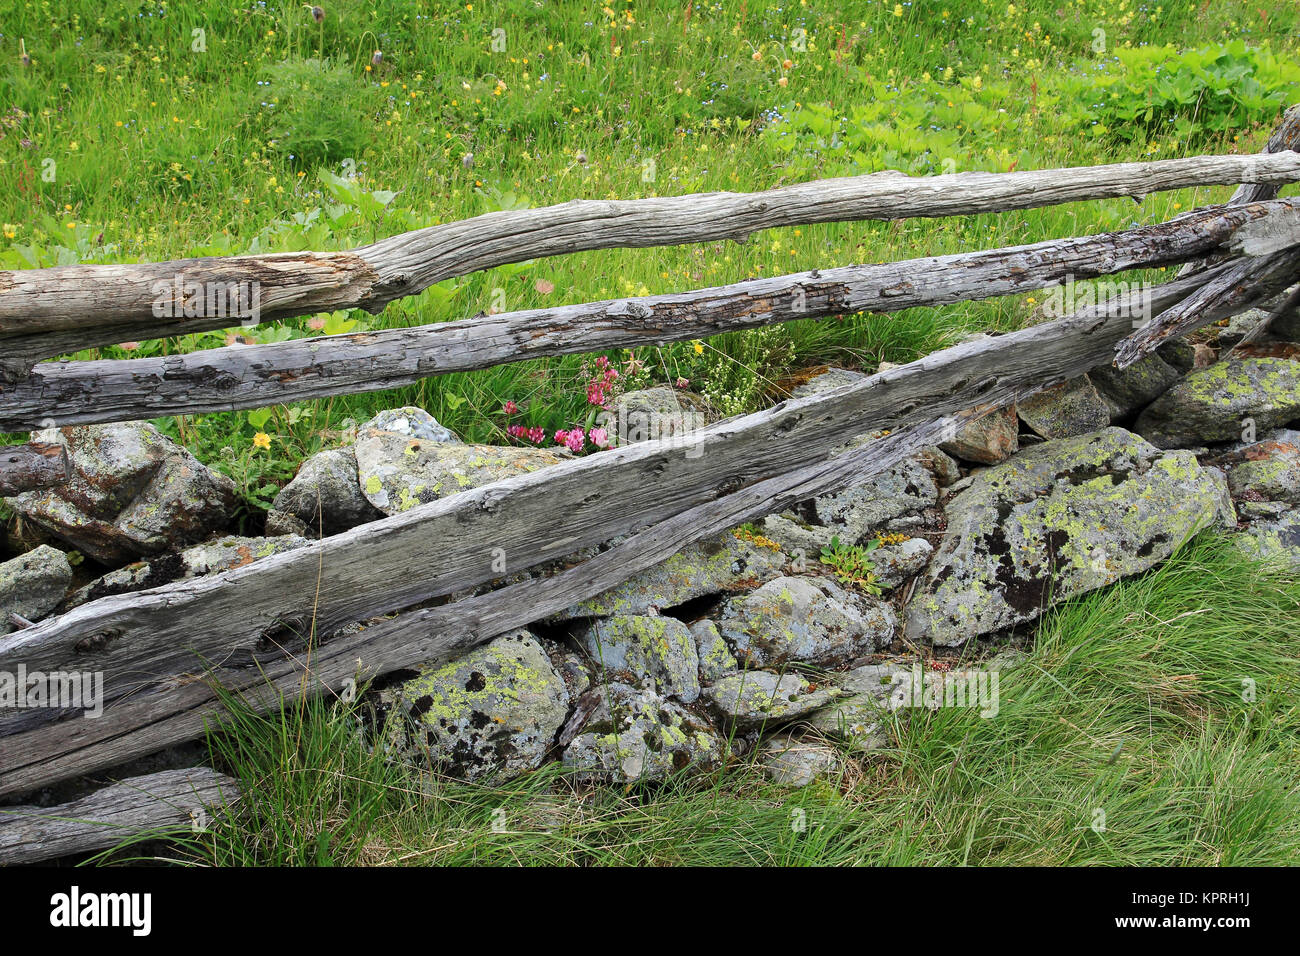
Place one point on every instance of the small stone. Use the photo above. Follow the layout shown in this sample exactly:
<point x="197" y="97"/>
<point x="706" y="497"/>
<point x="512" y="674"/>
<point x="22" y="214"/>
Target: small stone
<point x="1061" y="411"/>
<point x="33" y="584"/>
<point x="410" y="422"/>
<point x="895" y="563"/>
<point x="324" y="498"/>
<point x="714" y="655"/>
<point x="790" y="761"/>
<point x="750" y="699"/>
<point x="1127" y="391"/>
<point x="989" y="439"/>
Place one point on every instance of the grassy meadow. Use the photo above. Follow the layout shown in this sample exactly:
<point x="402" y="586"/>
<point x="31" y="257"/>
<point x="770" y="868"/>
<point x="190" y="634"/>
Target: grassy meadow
<point x="143" y="131"/>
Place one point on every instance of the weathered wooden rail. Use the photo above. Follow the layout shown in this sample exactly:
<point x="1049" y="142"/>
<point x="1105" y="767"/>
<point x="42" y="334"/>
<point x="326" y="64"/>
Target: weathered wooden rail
<point x="271" y="630"/>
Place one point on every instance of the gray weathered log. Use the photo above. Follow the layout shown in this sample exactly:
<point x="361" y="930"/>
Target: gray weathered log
<point x="30" y="466"/>
<point x="143" y="641"/>
<point x="1276" y="270"/>
<point x="249" y="376"/>
<point x="104" y="304"/>
<point x="155" y="804"/>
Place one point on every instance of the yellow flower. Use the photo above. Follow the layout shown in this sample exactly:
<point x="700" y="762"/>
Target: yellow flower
<point x="699" y="348"/>
<point x="898" y="9"/>
<point x="261" y="440"/>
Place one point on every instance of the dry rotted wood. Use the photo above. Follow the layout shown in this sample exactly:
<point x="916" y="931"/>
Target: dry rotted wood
<point x="249" y="376"/>
<point x="147" y="643"/>
<point x="1276" y="270"/>
<point x="47" y="312"/>
<point x="154" y="804"/>
<point x="30" y="466"/>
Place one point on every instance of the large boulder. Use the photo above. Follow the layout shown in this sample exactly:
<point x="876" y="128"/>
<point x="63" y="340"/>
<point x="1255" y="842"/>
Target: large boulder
<point x="655" y="651"/>
<point x="1126" y="391"/>
<point x="710" y="566"/>
<point x="495" y="711"/>
<point x="325" y="496"/>
<point x="211" y="557"/>
<point x="131" y="492"/>
<point x="901" y="489"/>
<point x="632" y="734"/>
<point x="1212" y="404"/>
<point x="33" y="584"/>
<point x="805" y="620"/>
<point x="1059" y="519"/>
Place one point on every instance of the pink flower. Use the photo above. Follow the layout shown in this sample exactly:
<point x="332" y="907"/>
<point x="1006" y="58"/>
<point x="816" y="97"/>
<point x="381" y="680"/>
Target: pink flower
<point x="561" y="437"/>
<point x="535" y="435"/>
<point x="683" y="383"/>
<point x="599" y="437"/>
<point x="510" y="407"/>
<point x="575" y="440"/>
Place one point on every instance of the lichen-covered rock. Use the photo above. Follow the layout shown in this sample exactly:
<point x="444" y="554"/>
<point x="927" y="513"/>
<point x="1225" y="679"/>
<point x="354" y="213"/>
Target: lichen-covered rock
<point x="131" y="492"/>
<point x="398" y="471"/>
<point x="901" y="489"/>
<point x="655" y="651"/>
<point x="749" y="699"/>
<point x="1211" y="404"/>
<point x="651" y="414"/>
<point x="219" y="554"/>
<point x="1131" y="389"/>
<point x="1239" y="326"/>
<point x="33" y="584"/>
<point x="1272" y="539"/>
<point x="792" y="761"/>
<point x="805" y="620"/>
<point x="895" y="563"/>
<point x="939" y="463"/>
<point x="1059" y="519"/>
<point x="800" y="539"/>
<point x="1268" y="470"/>
<point x="714" y="655"/>
<point x="989" y="439"/>
<point x="494" y="711"/>
<point x="858" y="717"/>
<point x="411" y="422"/>
<point x="1061" y="411"/>
<point x="325" y="496"/>
<point x="710" y="566"/>
<point x="635" y="734"/>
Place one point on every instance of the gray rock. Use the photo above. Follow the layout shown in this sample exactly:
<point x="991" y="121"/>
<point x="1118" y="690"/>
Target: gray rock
<point x="634" y="734"/>
<point x="33" y="584"/>
<point x="650" y="414"/>
<point x="1071" y="408"/>
<point x="896" y="563"/>
<point x="750" y="699"/>
<point x="132" y="492"/>
<point x="656" y="651"/>
<point x="1211" y="404"/>
<point x="898" y="490"/>
<point x="1269" y="471"/>
<point x="1272" y="539"/>
<point x="1179" y="354"/>
<point x="831" y="378"/>
<point x="791" y="761"/>
<point x="1061" y="518"/>
<point x="710" y="566"/>
<point x="714" y="655"/>
<point x="493" y="712"/>
<point x="324" y="497"/>
<point x="798" y="538"/>
<point x="940" y="464"/>
<point x="211" y="557"/>
<point x="1239" y="326"/>
<point x="989" y="439"/>
<point x="397" y="471"/>
<point x="410" y="422"/>
<point x="805" y="620"/>
<point x="1129" y="390"/>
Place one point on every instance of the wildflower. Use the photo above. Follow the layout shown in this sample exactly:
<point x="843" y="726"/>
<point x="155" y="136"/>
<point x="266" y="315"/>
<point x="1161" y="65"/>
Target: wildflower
<point x="898" y="9"/>
<point x="782" y="81"/>
<point x="510" y="408"/>
<point x="261" y="440"/>
<point x="787" y="64"/>
<point x="599" y="437"/>
<point x="575" y="439"/>
<point x="699" y="348"/>
<point x="683" y="383"/>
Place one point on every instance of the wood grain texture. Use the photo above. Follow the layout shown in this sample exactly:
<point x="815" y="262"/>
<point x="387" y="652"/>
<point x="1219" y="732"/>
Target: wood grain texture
<point x="248" y="376"/>
<point x="157" y="803"/>
<point x="154" y="646"/>
<point x="34" y="465"/>
<point x="47" y="312"/>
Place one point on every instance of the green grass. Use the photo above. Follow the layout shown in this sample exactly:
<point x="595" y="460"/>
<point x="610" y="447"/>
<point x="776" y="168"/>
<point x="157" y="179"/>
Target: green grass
<point x="165" y="144"/>
<point x="1131" y="703"/>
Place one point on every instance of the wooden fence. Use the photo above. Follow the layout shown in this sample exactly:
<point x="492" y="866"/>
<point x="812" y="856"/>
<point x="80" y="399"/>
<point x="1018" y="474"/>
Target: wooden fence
<point x="271" y="630"/>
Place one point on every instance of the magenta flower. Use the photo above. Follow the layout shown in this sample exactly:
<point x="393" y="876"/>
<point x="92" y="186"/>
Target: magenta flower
<point x="510" y="407"/>
<point x="599" y="437"/>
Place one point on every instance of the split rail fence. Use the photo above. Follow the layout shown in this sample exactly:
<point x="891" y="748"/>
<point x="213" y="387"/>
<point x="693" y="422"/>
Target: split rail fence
<point x="271" y="631"/>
